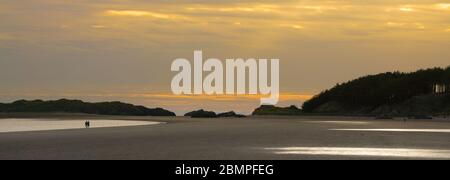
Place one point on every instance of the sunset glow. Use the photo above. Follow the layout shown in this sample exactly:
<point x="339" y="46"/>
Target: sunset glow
<point x="126" y="46"/>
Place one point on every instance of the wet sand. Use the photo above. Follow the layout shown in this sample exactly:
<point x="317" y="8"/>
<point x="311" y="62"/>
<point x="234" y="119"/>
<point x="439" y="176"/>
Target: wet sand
<point x="25" y="125"/>
<point x="248" y="138"/>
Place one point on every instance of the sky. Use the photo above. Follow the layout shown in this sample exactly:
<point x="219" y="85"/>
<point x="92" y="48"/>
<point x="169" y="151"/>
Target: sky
<point x="108" y="50"/>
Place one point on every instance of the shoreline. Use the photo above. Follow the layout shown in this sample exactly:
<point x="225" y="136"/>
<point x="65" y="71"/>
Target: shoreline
<point x="10" y="125"/>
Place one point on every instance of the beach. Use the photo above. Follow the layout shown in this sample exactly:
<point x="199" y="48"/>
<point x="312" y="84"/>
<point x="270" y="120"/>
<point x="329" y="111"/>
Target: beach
<point x="26" y="125"/>
<point x="252" y="138"/>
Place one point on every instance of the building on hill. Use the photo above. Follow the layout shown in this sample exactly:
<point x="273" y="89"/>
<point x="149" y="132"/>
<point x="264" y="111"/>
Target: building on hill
<point x="441" y="88"/>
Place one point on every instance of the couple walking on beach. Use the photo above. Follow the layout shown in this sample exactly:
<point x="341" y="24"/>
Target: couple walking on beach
<point x="87" y="124"/>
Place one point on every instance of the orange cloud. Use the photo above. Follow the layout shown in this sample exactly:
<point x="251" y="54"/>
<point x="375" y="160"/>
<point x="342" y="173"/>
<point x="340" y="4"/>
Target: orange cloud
<point x="134" y="13"/>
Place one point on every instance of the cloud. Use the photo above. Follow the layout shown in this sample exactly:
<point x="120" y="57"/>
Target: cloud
<point x="4" y="36"/>
<point x="68" y="44"/>
<point x="99" y="26"/>
<point x="395" y="24"/>
<point x="135" y="13"/>
<point x="406" y="9"/>
<point x="443" y="6"/>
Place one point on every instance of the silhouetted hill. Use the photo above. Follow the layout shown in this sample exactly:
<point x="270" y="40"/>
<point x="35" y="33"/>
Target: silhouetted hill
<point x="77" y="106"/>
<point x="388" y="93"/>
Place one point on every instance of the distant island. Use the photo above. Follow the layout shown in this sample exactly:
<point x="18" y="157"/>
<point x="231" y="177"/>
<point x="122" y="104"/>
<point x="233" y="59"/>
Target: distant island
<point x="210" y="114"/>
<point x="424" y="92"/>
<point x="279" y="111"/>
<point x="77" y="106"/>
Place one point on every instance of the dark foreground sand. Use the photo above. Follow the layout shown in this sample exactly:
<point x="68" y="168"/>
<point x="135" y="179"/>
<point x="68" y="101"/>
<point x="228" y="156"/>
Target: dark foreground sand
<point x="249" y="138"/>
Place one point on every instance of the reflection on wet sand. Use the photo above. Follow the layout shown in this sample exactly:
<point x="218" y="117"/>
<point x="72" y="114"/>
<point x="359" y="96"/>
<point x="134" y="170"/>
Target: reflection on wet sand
<point x="397" y="130"/>
<point x="340" y="122"/>
<point x="353" y="151"/>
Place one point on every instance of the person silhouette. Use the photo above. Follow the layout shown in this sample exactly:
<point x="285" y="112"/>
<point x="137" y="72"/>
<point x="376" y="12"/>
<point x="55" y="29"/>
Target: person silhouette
<point x="87" y="124"/>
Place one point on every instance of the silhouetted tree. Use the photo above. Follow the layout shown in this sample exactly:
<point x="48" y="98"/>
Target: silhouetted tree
<point x="382" y="89"/>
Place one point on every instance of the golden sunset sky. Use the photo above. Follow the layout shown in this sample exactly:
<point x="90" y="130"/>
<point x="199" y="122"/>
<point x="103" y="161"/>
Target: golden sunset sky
<point x="104" y="50"/>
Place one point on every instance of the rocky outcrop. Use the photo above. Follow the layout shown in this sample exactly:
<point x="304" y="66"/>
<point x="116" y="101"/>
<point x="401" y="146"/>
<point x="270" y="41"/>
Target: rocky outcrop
<point x="201" y="114"/>
<point x="209" y="114"/>
<point x="230" y="114"/>
<point x="279" y="111"/>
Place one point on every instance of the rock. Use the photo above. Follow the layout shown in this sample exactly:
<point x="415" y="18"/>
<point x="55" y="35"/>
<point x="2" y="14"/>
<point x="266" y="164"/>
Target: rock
<point x="231" y="114"/>
<point x="201" y="114"/>
<point x="273" y="110"/>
